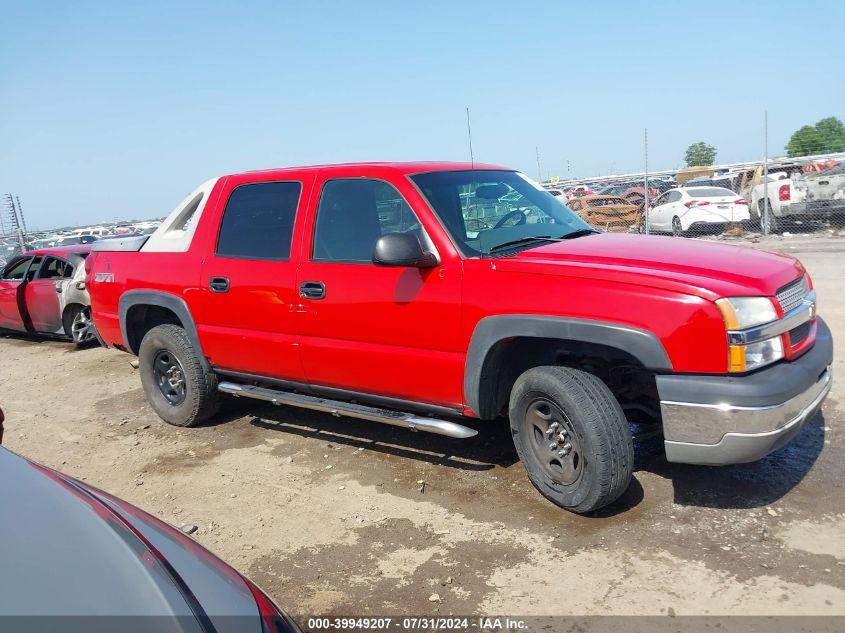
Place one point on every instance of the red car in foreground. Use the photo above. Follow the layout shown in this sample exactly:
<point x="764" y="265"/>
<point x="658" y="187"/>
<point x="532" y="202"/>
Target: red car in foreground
<point x="359" y="290"/>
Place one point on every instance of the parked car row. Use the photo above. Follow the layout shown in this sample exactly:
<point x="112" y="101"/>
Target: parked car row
<point x="10" y="245"/>
<point x="790" y="192"/>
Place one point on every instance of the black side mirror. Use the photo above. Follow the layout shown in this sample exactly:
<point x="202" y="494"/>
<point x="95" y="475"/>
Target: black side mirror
<point x="402" y="249"/>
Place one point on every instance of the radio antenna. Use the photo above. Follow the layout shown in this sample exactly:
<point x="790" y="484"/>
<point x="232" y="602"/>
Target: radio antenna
<point x="469" y="134"/>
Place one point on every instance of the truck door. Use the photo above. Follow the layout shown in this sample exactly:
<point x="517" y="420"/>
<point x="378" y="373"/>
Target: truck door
<point x="388" y="331"/>
<point x="11" y="282"/>
<point x="245" y="317"/>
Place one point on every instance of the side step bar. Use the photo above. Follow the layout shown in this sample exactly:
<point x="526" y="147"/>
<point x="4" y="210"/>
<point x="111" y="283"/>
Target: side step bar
<point x="352" y="410"/>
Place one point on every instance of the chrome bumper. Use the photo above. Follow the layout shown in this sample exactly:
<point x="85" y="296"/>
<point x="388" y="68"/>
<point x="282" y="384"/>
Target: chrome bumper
<point x="764" y="429"/>
<point x="735" y="419"/>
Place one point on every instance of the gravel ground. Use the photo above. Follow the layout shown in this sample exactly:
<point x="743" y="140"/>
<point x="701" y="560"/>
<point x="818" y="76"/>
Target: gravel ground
<point x="337" y="517"/>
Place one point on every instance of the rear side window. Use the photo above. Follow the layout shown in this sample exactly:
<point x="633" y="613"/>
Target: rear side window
<point x="55" y="268"/>
<point x="258" y="221"/>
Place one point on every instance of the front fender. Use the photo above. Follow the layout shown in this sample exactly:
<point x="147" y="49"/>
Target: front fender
<point x="641" y="344"/>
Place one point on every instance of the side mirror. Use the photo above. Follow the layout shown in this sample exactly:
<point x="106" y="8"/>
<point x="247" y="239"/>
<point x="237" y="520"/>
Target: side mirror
<point x="402" y="249"/>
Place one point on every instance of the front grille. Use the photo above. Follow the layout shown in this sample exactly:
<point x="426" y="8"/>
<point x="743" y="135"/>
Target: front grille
<point x="798" y="334"/>
<point x="791" y="295"/>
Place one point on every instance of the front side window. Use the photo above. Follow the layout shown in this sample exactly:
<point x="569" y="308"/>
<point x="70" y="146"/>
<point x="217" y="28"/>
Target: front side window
<point x="258" y="221"/>
<point x="485" y="210"/>
<point x="16" y="270"/>
<point x="353" y="213"/>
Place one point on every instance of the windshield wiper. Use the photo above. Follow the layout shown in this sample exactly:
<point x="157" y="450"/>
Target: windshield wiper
<point x="578" y="233"/>
<point x="522" y="240"/>
<point x="530" y="239"/>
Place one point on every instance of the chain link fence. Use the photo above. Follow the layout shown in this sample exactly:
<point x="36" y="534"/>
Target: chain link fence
<point x="780" y="196"/>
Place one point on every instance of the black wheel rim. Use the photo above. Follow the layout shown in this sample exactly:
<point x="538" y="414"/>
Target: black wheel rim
<point x="553" y="442"/>
<point x="169" y="376"/>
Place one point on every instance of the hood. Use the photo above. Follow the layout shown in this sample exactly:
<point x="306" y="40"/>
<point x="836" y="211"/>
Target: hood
<point x="71" y="550"/>
<point x="706" y="269"/>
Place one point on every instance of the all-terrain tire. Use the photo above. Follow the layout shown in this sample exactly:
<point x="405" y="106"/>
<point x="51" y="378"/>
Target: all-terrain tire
<point x="199" y="396"/>
<point x="596" y="430"/>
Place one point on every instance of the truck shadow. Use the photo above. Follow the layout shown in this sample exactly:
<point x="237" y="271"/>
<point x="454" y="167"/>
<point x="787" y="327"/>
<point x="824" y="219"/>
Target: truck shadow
<point x="491" y="448"/>
<point x="739" y="486"/>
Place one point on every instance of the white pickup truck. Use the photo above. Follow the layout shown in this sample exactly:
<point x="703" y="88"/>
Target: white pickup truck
<point x="798" y="196"/>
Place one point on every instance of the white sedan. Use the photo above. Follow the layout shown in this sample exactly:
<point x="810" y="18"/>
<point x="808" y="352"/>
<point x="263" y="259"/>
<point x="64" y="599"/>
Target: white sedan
<point x="696" y="209"/>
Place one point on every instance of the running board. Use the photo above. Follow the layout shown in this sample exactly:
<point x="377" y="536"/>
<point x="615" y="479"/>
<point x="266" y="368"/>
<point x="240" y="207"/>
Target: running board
<point x="349" y="409"/>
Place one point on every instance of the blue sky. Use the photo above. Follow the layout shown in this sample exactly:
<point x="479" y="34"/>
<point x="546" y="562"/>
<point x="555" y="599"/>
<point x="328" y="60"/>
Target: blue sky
<point x="118" y="109"/>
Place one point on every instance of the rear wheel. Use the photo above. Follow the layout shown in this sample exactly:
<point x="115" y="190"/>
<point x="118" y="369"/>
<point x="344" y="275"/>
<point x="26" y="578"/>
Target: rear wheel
<point x="677" y="227"/>
<point x="78" y="324"/>
<point x="178" y="386"/>
<point x="572" y="437"/>
<point x="768" y="222"/>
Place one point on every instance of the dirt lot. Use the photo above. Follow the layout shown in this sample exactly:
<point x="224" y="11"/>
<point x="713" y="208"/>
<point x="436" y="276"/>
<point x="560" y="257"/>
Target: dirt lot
<point x="335" y="516"/>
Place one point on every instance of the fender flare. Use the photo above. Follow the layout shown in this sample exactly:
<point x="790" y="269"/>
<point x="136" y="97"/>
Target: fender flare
<point x="641" y="344"/>
<point x="161" y="299"/>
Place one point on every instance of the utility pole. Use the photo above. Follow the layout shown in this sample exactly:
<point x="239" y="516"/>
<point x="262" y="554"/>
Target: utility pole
<point x="20" y="215"/>
<point x="539" y="171"/>
<point x="469" y="134"/>
<point x="764" y="221"/>
<point x="15" y="219"/>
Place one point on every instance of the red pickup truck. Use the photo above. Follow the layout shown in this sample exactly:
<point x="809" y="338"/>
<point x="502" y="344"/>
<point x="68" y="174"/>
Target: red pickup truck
<point x="364" y="290"/>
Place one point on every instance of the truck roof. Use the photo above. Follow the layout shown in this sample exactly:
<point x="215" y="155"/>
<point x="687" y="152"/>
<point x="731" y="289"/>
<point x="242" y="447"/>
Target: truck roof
<point x="396" y="167"/>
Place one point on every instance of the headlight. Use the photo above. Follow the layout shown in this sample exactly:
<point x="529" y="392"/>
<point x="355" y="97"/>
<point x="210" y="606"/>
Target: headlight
<point x="743" y="358"/>
<point x="740" y="313"/>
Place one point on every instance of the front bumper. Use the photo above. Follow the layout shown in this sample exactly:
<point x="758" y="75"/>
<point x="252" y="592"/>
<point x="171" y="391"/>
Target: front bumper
<point x="735" y="419"/>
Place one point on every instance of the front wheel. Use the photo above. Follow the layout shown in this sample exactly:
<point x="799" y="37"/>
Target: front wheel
<point x="178" y="386"/>
<point x="572" y="437"/>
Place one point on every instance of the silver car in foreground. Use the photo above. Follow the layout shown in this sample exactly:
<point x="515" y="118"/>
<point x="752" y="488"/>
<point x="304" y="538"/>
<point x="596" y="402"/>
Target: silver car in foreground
<point x="74" y="558"/>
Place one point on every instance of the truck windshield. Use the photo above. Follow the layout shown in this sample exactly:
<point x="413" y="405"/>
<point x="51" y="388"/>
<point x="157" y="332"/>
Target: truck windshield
<point x="485" y="209"/>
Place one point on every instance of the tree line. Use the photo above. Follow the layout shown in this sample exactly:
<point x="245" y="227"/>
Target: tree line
<point x="825" y="137"/>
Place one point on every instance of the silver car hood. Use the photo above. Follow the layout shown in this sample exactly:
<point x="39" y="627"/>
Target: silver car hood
<point x="67" y="549"/>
